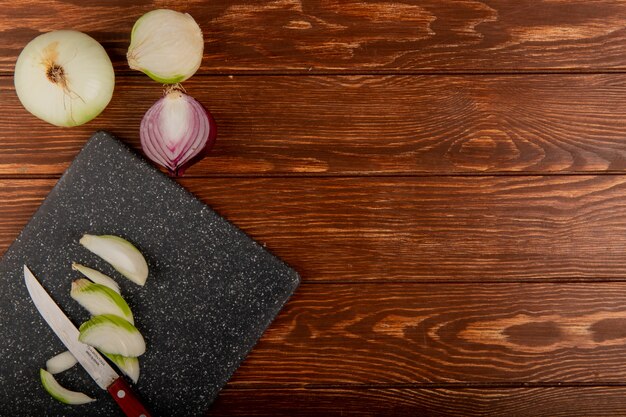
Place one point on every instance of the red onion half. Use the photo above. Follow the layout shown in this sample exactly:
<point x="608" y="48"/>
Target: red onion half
<point x="176" y="132"/>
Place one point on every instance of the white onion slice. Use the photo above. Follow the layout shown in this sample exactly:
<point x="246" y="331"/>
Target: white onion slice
<point x="128" y="365"/>
<point x="61" y="362"/>
<point x="112" y="334"/>
<point x="62" y="394"/>
<point x="98" y="299"/>
<point x="120" y="253"/>
<point x="64" y="77"/>
<point x="96" y="276"/>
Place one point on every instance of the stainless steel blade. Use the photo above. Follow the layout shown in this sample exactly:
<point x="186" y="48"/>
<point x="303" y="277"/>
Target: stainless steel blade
<point x="87" y="356"/>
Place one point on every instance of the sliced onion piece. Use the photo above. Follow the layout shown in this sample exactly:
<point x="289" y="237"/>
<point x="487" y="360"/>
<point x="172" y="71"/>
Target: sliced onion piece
<point x="61" y="362"/>
<point x="166" y="45"/>
<point x="177" y="131"/>
<point x="120" y="253"/>
<point x="128" y="365"/>
<point x="112" y="335"/>
<point x="98" y="299"/>
<point x="62" y="394"/>
<point x="96" y="276"/>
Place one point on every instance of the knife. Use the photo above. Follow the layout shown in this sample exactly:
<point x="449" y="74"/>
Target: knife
<point x="95" y="365"/>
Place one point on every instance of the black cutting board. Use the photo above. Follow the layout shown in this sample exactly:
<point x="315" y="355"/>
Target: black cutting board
<point x="211" y="292"/>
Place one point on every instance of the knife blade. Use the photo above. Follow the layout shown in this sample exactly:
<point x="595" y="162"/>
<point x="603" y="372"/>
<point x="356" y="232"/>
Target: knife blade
<point x="89" y="358"/>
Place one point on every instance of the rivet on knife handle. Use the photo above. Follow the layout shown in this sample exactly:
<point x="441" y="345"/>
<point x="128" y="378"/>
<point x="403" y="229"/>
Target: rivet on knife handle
<point x="126" y="399"/>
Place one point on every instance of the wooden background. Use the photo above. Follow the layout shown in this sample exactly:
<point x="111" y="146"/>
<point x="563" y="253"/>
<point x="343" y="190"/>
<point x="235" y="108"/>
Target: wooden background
<point x="448" y="176"/>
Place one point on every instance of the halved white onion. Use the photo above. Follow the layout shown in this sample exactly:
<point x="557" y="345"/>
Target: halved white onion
<point x="166" y="45"/>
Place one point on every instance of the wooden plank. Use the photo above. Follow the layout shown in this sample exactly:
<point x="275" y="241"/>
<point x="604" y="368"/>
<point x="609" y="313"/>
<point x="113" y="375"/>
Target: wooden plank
<point x="411" y="229"/>
<point x="308" y="36"/>
<point x="18" y="202"/>
<point x="390" y="229"/>
<point x="389" y="333"/>
<point x="444" y="402"/>
<point x="361" y="125"/>
<point x="443" y="333"/>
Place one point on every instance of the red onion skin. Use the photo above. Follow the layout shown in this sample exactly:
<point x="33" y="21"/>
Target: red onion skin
<point x="148" y="142"/>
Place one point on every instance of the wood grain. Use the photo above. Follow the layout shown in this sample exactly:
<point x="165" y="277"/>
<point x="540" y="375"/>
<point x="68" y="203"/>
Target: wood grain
<point x="361" y="125"/>
<point x="308" y="36"/>
<point x="442" y="402"/>
<point x="396" y="333"/>
<point x="411" y="229"/>
<point x="427" y="291"/>
<point x="18" y="202"/>
<point x="406" y="229"/>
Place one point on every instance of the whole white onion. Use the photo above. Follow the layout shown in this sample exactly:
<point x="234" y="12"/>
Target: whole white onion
<point x="64" y="77"/>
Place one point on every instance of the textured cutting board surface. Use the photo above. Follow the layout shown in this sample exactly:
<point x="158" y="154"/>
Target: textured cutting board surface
<point x="211" y="293"/>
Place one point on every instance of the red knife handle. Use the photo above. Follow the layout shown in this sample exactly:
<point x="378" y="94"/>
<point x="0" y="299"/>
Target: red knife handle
<point x="126" y="399"/>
